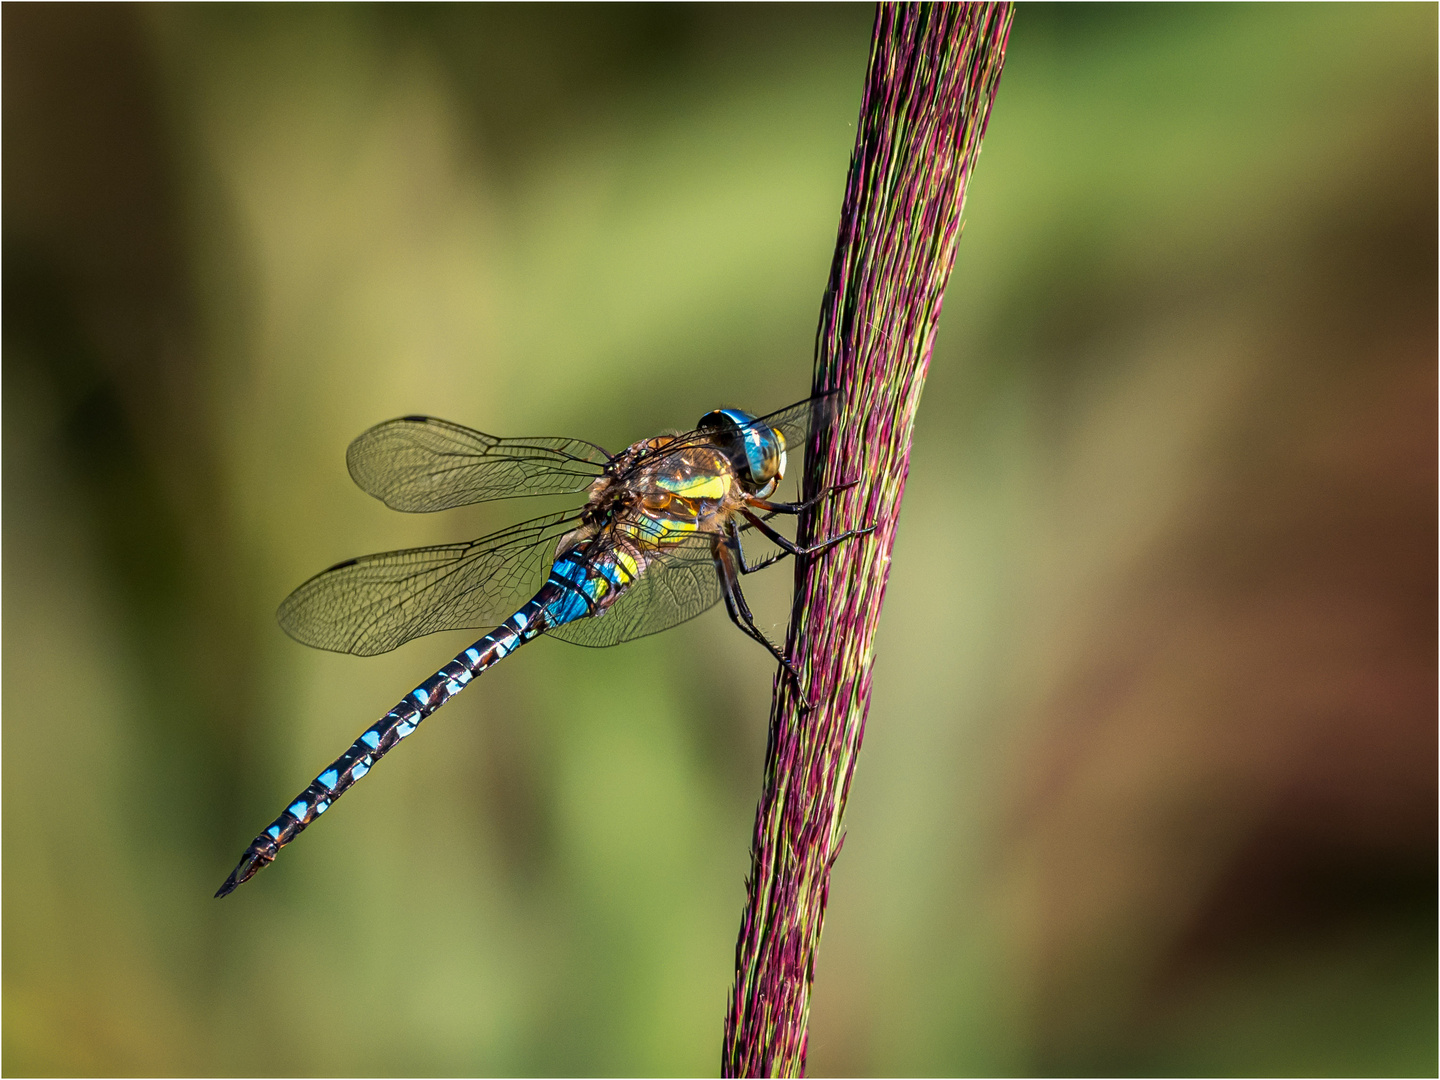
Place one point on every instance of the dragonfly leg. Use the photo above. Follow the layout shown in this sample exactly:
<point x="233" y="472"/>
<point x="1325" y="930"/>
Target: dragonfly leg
<point x="740" y="615"/>
<point x="795" y="508"/>
<point x="789" y="547"/>
<point x="732" y="541"/>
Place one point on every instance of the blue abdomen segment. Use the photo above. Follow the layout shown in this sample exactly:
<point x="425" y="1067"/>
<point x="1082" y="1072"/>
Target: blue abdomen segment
<point x="588" y="586"/>
<point x="382" y="736"/>
<point x="574" y="590"/>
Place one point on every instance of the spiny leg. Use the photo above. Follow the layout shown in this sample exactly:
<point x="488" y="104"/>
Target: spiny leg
<point x="733" y="542"/>
<point x="789" y="547"/>
<point x="730" y="561"/>
<point x="740" y="615"/>
<point x="795" y="508"/>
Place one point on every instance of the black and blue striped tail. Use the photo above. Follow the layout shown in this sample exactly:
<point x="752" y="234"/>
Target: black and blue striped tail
<point x="550" y="606"/>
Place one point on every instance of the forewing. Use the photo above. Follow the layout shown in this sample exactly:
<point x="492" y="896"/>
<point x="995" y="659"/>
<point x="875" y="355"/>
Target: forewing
<point x="795" y="422"/>
<point x="678" y="584"/>
<point x="419" y="463"/>
<point x="375" y="603"/>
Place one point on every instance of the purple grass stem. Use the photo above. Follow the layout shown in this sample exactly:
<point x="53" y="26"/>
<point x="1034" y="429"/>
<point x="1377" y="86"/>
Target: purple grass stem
<point x="932" y="76"/>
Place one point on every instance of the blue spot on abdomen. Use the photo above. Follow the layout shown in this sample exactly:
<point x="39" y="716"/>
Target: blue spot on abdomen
<point x="567" y="608"/>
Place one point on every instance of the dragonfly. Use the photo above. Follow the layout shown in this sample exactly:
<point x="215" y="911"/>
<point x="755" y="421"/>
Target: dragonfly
<point x="657" y="542"/>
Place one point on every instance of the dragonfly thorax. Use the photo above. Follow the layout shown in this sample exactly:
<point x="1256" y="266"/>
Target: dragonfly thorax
<point x="668" y="475"/>
<point x="655" y="493"/>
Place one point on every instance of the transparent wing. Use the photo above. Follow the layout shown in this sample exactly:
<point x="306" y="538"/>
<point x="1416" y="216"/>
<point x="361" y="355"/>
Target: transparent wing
<point x="419" y="463"/>
<point x="795" y="422"/>
<point x="375" y="603"/>
<point x="679" y="583"/>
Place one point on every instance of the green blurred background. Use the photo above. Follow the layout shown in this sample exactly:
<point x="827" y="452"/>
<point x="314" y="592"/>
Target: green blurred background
<point x="1149" y="783"/>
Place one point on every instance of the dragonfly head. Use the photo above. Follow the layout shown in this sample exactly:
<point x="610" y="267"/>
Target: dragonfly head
<point x="756" y="451"/>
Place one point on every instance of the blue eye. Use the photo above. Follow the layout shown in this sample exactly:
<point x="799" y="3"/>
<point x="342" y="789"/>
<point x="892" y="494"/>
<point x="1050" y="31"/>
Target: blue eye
<point x="756" y="452"/>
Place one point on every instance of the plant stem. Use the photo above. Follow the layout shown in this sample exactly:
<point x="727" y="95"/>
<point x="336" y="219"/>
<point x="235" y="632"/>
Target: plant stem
<point x="932" y="75"/>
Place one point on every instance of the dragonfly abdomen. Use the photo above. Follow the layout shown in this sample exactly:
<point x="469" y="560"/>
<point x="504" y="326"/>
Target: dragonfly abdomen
<point x="559" y="601"/>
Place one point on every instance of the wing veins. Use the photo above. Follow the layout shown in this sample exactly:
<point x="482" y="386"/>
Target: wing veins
<point x="375" y="603"/>
<point x="423" y="464"/>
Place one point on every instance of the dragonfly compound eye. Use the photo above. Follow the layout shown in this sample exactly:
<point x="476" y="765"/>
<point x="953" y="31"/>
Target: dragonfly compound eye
<point x="756" y="451"/>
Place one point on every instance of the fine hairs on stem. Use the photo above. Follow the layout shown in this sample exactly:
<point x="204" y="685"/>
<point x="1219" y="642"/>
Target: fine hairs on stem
<point x="932" y="75"/>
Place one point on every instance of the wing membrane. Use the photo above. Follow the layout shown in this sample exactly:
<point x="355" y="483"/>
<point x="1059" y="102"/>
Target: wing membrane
<point x="795" y="422"/>
<point x="376" y="603"/>
<point x="419" y="464"/>
<point x="678" y="584"/>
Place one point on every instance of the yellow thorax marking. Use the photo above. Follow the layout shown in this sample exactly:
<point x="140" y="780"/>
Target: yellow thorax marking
<point x="695" y="487"/>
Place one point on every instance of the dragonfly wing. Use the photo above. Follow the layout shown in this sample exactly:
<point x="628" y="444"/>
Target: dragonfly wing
<point x="376" y="603"/>
<point x="419" y="463"/>
<point x="794" y="422"/>
<point x="679" y="583"/>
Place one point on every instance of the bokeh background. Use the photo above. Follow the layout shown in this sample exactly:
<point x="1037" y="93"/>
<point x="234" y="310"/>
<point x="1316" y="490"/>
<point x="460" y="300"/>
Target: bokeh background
<point x="1149" y="783"/>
